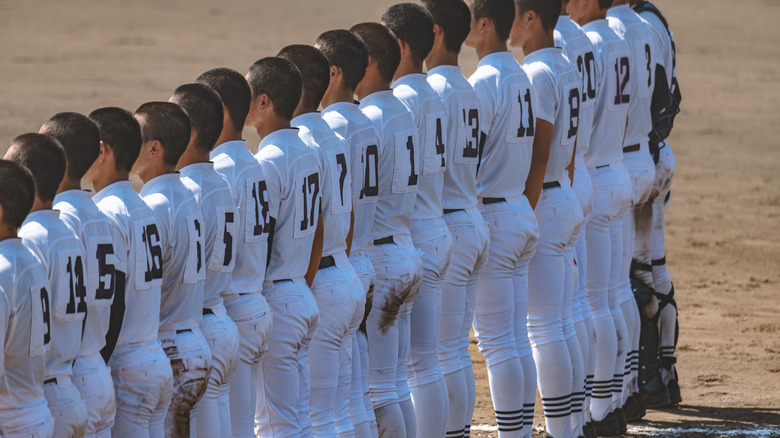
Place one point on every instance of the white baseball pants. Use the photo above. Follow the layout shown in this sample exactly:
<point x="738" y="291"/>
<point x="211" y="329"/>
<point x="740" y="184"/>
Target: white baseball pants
<point x="92" y="378"/>
<point x="66" y="407"/>
<point x="27" y="422"/>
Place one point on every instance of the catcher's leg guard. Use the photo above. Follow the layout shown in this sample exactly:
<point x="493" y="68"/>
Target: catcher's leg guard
<point x="651" y="385"/>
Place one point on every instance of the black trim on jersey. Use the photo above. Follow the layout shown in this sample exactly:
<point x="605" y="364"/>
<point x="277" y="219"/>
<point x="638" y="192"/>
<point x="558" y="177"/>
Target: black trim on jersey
<point x="117" y="317"/>
<point x="272" y="224"/>
<point x="661" y="96"/>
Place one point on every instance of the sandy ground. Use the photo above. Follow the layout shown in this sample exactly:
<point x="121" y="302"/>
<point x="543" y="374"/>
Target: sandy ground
<point x="722" y="239"/>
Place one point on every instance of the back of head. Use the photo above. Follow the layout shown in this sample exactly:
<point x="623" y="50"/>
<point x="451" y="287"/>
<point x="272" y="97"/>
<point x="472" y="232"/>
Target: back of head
<point x="44" y="157"/>
<point x="347" y="51"/>
<point x="382" y="47"/>
<point x="315" y="72"/>
<point x="605" y="4"/>
<point x="547" y="10"/>
<point x="204" y="108"/>
<point x="454" y="17"/>
<point x="167" y="123"/>
<point x="280" y="80"/>
<point x="80" y="138"/>
<point x="18" y="194"/>
<point x="413" y="24"/>
<point x="121" y="132"/>
<point x="500" y="12"/>
<point x="233" y="90"/>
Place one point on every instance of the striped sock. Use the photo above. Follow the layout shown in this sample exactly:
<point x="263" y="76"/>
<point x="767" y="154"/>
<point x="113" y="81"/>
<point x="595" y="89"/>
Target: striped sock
<point x="509" y="421"/>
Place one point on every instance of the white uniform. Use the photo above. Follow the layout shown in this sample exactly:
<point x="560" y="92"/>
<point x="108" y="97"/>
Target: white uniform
<point x="63" y="258"/>
<point x="26" y="328"/>
<point x="641" y="168"/>
<point x="90" y="373"/>
<point x="611" y="199"/>
<point x="469" y="234"/>
<point x="143" y="380"/>
<point x="182" y="230"/>
<point x="578" y="49"/>
<point x="431" y="236"/>
<point x="559" y="214"/>
<point x="396" y="262"/>
<point x="336" y="287"/>
<point x="292" y="174"/>
<point x="348" y="121"/>
<point x="244" y="301"/>
<point x="213" y="195"/>
<point x="508" y="100"/>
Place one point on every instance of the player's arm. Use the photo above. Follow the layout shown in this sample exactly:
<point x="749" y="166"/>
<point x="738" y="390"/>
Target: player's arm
<point x="117" y="312"/>
<point x="316" y="252"/>
<point x="661" y="96"/>
<point x="349" y="234"/>
<point x="570" y="167"/>
<point x="541" y="152"/>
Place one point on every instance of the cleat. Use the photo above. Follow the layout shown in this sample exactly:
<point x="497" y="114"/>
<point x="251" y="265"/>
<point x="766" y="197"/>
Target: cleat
<point x="621" y="420"/>
<point x="673" y="388"/>
<point x="632" y="409"/>
<point x="607" y="427"/>
<point x="655" y="394"/>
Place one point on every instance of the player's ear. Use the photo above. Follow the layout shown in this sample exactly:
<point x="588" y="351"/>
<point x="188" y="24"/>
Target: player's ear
<point x="154" y="147"/>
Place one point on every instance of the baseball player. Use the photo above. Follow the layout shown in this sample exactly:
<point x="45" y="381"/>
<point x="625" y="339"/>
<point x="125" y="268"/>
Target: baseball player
<point x="396" y="262"/>
<point x="25" y="314"/>
<point x="140" y="370"/>
<point x="292" y="174"/>
<point x="336" y="286"/>
<point x="80" y="138"/>
<point x="62" y="256"/>
<point x="611" y="199"/>
<point x="347" y="55"/>
<point x="650" y="247"/>
<point x="211" y="417"/>
<point x="244" y="302"/>
<point x="469" y="231"/>
<point x="412" y="24"/>
<point x="165" y="130"/>
<point x="507" y="200"/>
<point x="578" y="50"/>
<point x="558" y="212"/>
<point x="639" y="163"/>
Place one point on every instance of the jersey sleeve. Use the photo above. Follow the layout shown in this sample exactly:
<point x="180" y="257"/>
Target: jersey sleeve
<point x="546" y="96"/>
<point x="487" y="99"/>
<point x="5" y="312"/>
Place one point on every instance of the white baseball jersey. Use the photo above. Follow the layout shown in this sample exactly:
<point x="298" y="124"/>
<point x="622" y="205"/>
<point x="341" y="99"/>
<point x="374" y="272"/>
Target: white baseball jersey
<point x="245" y="177"/>
<point x="557" y="87"/>
<point x="92" y="227"/>
<point x="181" y="227"/>
<point x="613" y="72"/>
<point x="336" y="179"/>
<point x="464" y="136"/>
<point x="664" y="43"/>
<point x="638" y="34"/>
<point x="62" y="256"/>
<point x="139" y="243"/>
<point x="348" y="121"/>
<point x="294" y="181"/>
<point x="26" y="325"/>
<point x="220" y="216"/>
<point x="578" y="49"/>
<point x="509" y="103"/>
<point x="399" y="163"/>
<point x="427" y="108"/>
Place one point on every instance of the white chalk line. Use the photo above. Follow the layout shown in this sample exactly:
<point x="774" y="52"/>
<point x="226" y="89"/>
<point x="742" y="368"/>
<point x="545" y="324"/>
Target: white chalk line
<point x="755" y="431"/>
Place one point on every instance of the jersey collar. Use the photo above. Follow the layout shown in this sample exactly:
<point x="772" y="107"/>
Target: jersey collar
<point x="410" y="79"/>
<point x="42" y="214"/>
<point x="496" y="58"/>
<point x="375" y="96"/>
<point x="307" y="119"/>
<point x="531" y="57"/>
<point x="227" y="146"/>
<point x="72" y="194"/>
<point x="195" y="167"/>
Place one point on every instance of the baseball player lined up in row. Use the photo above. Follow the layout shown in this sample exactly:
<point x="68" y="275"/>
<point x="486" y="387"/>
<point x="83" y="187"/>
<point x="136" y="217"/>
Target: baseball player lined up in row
<point x="326" y="286"/>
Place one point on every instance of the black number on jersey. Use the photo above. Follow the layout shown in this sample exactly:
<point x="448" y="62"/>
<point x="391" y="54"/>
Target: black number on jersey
<point x="370" y="163"/>
<point x="472" y="144"/>
<point x="574" y="112"/>
<point x="227" y="239"/>
<point x="259" y="190"/>
<point x="46" y="310"/>
<point x="198" y="247"/>
<point x="341" y="163"/>
<point x="649" y="70"/>
<point x="310" y="189"/>
<point x="622" y="74"/>
<point x="106" y="272"/>
<point x="587" y="68"/>
<point x="439" y="141"/>
<point x="525" y="131"/>
<point x="154" y="259"/>
<point x="410" y="148"/>
<point x="78" y="291"/>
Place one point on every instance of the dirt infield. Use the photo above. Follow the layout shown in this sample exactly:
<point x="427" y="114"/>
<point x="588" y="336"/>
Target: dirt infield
<point x="723" y="239"/>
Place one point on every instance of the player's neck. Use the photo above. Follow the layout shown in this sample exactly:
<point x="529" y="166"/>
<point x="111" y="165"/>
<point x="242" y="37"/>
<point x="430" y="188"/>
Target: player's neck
<point x="590" y="16"/>
<point x="303" y="109"/>
<point x="539" y="41"/>
<point x="192" y="155"/>
<point x="107" y="178"/>
<point x="490" y="45"/>
<point x="371" y="84"/>
<point x="407" y="66"/>
<point x="271" y="125"/>
<point x="336" y="95"/>
<point x="229" y="134"/>
<point x="69" y="184"/>
<point x="439" y="57"/>
<point x="40" y="204"/>
<point x="153" y="171"/>
<point x="7" y="232"/>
